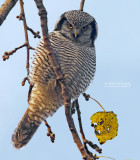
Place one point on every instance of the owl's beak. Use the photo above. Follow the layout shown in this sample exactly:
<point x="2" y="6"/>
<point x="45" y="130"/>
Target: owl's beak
<point x="75" y="34"/>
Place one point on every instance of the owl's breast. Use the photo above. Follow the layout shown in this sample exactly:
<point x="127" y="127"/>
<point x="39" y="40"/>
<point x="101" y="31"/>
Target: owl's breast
<point x="78" y="64"/>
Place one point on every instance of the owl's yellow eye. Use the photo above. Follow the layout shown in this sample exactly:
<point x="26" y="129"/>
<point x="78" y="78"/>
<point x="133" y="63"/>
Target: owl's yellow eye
<point x="70" y="26"/>
<point x="84" y="28"/>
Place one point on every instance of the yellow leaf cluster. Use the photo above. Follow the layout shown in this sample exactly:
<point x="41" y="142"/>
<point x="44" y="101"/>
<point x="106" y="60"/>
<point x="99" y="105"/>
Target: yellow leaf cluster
<point x="105" y="125"/>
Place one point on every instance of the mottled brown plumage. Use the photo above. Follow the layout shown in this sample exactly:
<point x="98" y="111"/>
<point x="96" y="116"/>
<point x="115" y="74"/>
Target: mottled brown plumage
<point x="73" y="44"/>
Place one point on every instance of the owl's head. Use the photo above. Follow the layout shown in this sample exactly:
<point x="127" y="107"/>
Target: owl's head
<point x="77" y="26"/>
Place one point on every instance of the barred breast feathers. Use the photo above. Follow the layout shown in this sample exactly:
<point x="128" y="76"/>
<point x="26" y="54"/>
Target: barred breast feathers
<point x="78" y="63"/>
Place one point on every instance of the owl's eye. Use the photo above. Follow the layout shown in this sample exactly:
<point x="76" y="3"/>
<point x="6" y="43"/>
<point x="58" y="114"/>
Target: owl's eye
<point x="70" y="26"/>
<point x="84" y="28"/>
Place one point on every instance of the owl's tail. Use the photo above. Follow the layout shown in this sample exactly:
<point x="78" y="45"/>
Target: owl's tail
<point x="24" y="131"/>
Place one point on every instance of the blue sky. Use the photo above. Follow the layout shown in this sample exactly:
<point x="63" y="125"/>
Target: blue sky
<point x="116" y="84"/>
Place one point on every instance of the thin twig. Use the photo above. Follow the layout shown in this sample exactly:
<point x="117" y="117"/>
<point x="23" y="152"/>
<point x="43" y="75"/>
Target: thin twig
<point x="94" y="146"/>
<point x="50" y="133"/>
<point x="85" y="141"/>
<point x="24" y="80"/>
<point x="7" y="54"/>
<point x="5" y="9"/>
<point x="36" y="34"/>
<point x="80" y="124"/>
<point x="87" y="96"/>
<point x="67" y="100"/>
<point x="82" y="5"/>
<point x="26" y="34"/>
<point x="26" y="44"/>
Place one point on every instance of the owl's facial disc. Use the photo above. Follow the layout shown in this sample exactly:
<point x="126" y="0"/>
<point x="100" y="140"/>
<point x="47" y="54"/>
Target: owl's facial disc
<point x="78" y="26"/>
<point x="78" y="34"/>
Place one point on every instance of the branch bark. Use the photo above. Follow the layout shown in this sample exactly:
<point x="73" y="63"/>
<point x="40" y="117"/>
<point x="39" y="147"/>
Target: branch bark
<point x="85" y="141"/>
<point x="82" y="5"/>
<point x="67" y="100"/>
<point x="5" y="9"/>
<point x="50" y="133"/>
<point x="26" y="35"/>
<point x="6" y="54"/>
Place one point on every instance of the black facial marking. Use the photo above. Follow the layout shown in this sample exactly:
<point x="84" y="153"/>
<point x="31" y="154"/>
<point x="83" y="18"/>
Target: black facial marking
<point x="94" y="31"/>
<point x="59" y="25"/>
<point x="30" y="90"/>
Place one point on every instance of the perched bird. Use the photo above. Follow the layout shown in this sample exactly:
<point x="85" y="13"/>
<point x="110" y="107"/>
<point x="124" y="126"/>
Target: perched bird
<point x="73" y="44"/>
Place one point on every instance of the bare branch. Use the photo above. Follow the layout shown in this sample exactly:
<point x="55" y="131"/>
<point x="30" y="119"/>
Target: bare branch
<point x="24" y="80"/>
<point x="22" y="14"/>
<point x="50" y="133"/>
<point x="94" y="146"/>
<point x="85" y="141"/>
<point x="26" y="44"/>
<point x="7" y="54"/>
<point x="87" y="96"/>
<point x="82" y="5"/>
<point x="5" y="9"/>
<point x="36" y="34"/>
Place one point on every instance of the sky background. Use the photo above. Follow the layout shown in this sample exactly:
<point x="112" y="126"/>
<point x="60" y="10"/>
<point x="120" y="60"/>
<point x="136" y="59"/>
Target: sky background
<point x="116" y="84"/>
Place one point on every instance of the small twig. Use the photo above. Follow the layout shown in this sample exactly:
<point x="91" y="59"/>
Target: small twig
<point x="82" y="5"/>
<point x="7" y="54"/>
<point x="85" y="141"/>
<point x="26" y="44"/>
<point x="80" y="124"/>
<point x="26" y="34"/>
<point x="5" y="9"/>
<point x="87" y="96"/>
<point x="94" y="146"/>
<point x="50" y="133"/>
<point x="24" y="80"/>
<point x="36" y="34"/>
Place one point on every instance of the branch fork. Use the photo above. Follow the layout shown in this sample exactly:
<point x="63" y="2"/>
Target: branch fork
<point x="26" y="44"/>
<point x="85" y="141"/>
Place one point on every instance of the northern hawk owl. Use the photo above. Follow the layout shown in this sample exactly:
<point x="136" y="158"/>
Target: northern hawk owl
<point x="73" y="45"/>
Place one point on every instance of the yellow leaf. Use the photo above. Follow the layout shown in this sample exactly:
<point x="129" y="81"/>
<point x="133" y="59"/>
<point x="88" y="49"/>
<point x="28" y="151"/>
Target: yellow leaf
<point x="105" y="125"/>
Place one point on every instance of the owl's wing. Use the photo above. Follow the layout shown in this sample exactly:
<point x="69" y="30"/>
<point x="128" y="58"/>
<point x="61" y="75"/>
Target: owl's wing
<point x="41" y="70"/>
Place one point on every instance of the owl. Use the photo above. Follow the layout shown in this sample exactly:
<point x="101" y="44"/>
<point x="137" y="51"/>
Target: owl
<point x="73" y="45"/>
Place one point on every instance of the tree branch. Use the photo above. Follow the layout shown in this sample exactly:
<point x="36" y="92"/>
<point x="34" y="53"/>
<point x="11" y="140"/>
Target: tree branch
<point x="26" y="44"/>
<point x="36" y="34"/>
<point x="50" y="133"/>
<point x="85" y="141"/>
<point x="22" y="14"/>
<point x="5" y="9"/>
<point x="8" y="54"/>
<point x="82" y="5"/>
<point x="67" y="100"/>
